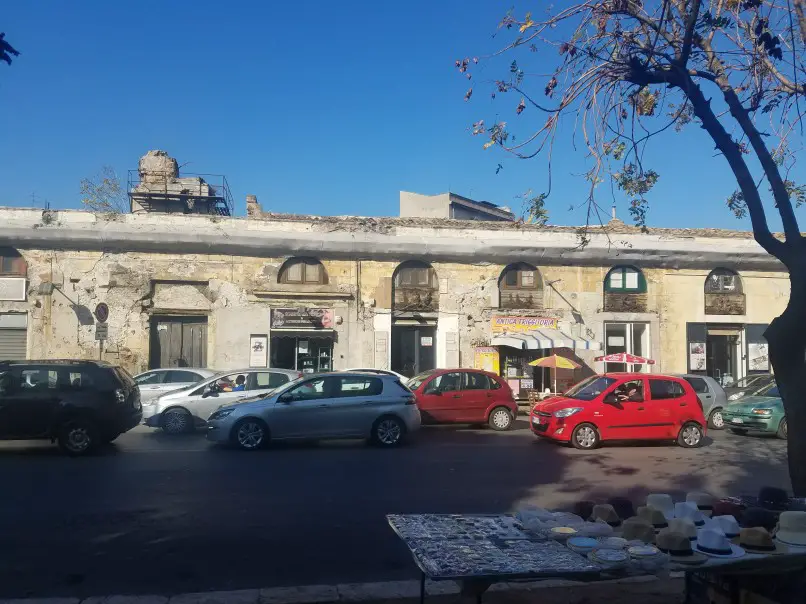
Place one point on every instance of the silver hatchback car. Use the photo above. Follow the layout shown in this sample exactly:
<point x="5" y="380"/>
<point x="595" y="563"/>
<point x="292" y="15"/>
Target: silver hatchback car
<point x="334" y="405"/>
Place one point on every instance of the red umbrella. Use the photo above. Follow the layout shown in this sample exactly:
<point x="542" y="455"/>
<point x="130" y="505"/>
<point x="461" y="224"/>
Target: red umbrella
<point x="625" y="357"/>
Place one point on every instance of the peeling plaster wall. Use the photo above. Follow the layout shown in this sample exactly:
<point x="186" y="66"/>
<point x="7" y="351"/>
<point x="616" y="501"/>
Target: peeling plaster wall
<point x="151" y="264"/>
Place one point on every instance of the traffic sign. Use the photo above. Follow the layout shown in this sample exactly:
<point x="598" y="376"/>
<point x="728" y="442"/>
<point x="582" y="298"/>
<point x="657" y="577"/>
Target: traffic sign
<point x="101" y="331"/>
<point x="102" y="312"/>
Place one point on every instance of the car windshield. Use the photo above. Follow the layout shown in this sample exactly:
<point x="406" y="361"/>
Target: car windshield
<point x="745" y="381"/>
<point x="589" y="389"/>
<point x="770" y="390"/>
<point x="418" y="379"/>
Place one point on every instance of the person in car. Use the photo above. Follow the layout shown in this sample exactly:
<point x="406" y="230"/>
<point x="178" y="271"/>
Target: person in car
<point x="629" y="393"/>
<point x="239" y="386"/>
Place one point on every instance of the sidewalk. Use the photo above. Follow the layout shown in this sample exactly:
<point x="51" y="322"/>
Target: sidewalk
<point x="640" y="590"/>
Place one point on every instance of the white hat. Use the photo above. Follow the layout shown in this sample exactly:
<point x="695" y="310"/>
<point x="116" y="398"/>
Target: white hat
<point x="662" y="502"/>
<point x="683" y="526"/>
<point x="717" y="545"/>
<point x="728" y="525"/>
<point x="690" y="511"/>
<point x="792" y="529"/>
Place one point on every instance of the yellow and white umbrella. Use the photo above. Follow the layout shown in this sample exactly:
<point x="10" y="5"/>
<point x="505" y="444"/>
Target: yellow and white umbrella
<point x="555" y="362"/>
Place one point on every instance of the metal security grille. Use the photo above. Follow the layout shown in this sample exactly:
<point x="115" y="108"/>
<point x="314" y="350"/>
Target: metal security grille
<point x="13" y="344"/>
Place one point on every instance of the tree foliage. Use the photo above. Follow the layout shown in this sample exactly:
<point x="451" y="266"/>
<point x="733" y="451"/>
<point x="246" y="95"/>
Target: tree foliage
<point x="104" y="193"/>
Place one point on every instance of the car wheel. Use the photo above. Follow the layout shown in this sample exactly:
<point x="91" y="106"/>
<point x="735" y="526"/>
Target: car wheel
<point x="738" y="431"/>
<point x="585" y="436"/>
<point x="690" y="436"/>
<point x="176" y="421"/>
<point x="388" y="431"/>
<point x="77" y="437"/>
<point x="715" y="420"/>
<point x="782" y="429"/>
<point x="250" y="434"/>
<point x="500" y="419"/>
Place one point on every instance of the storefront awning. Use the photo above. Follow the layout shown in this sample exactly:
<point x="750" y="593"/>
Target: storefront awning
<point x="541" y="339"/>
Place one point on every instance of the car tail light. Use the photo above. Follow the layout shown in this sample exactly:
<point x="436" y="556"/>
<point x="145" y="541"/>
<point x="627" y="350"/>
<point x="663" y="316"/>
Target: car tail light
<point x="120" y="395"/>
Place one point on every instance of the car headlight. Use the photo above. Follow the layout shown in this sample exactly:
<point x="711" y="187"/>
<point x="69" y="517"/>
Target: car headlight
<point x="567" y="411"/>
<point x="221" y="414"/>
<point x="761" y="412"/>
<point x="735" y="396"/>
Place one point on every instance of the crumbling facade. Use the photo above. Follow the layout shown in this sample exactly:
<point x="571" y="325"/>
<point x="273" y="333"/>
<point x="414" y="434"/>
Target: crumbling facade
<point x="408" y="294"/>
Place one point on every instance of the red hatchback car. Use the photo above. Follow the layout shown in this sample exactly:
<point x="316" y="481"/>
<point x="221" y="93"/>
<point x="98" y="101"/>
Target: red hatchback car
<point x="622" y="406"/>
<point x="464" y="396"/>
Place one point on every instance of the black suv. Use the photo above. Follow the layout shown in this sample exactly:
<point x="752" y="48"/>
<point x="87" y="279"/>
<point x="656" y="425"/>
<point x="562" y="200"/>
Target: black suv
<point x="80" y="404"/>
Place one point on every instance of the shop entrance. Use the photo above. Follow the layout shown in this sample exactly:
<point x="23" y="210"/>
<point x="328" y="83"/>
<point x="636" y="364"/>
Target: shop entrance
<point x="305" y="354"/>
<point x="178" y="342"/>
<point x="413" y="349"/>
<point x="723" y="354"/>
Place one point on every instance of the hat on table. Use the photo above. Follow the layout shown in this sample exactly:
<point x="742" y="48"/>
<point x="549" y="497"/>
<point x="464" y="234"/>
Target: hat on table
<point x="792" y="529"/>
<point x="584" y="509"/>
<point x="623" y="506"/>
<point x="606" y="513"/>
<point x="678" y="547"/>
<point x="757" y="540"/>
<point x="638" y="529"/>
<point x="755" y="517"/>
<point x="773" y="498"/>
<point x="715" y="544"/>
<point x="653" y="516"/>
<point x="727" y="524"/>
<point x="683" y="526"/>
<point x="703" y="501"/>
<point x="662" y="502"/>
<point x="689" y="510"/>
<point x="730" y="506"/>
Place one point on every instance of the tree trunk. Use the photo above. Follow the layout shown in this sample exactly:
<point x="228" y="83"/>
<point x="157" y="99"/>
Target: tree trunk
<point x="786" y="336"/>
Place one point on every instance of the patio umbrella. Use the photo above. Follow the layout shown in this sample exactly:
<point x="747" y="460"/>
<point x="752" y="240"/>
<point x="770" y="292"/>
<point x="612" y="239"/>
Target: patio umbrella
<point x="555" y="362"/>
<point x="625" y="357"/>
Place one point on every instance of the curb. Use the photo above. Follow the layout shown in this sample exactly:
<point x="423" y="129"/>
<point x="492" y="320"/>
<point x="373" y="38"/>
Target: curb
<point x="321" y="594"/>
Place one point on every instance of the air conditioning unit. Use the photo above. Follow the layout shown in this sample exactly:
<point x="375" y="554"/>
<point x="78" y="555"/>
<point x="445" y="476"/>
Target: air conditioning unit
<point x="13" y="289"/>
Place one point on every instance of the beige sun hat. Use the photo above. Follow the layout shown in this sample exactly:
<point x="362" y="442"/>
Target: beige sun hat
<point x="662" y="502"/>
<point x="678" y="547"/>
<point x="757" y="540"/>
<point x="653" y="516"/>
<point x="792" y="529"/>
<point x="606" y="513"/>
<point x="638" y="529"/>
<point x="684" y="526"/>
<point x="704" y="501"/>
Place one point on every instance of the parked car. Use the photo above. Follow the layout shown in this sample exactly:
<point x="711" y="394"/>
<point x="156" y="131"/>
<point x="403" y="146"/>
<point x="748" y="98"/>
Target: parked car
<point x="327" y="406"/>
<point x="762" y="412"/>
<point x="157" y="382"/>
<point x="464" y="396"/>
<point x="748" y="385"/>
<point x="183" y="410"/>
<point x="403" y="379"/>
<point x="713" y="398"/>
<point x="622" y="406"/>
<point x="79" y="404"/>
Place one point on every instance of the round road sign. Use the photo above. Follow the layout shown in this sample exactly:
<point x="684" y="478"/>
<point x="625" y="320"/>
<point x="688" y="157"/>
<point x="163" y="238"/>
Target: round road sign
<point x="102" y="312"/>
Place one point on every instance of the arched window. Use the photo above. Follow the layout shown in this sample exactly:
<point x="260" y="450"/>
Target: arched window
<point x="520" y="286"/>
<point x="723" y="281"/>
<point x="416" y="287"/>
<point x="625" y="280"/>
<point x="12" y="264"/>
<point x="307" y="271"/>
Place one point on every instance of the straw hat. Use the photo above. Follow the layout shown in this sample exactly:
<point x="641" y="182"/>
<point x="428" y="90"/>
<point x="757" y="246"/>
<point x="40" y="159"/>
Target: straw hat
<point x="689" y="510"/>
<point x="638" y="529"/>
<point x="703" y="501"/>
<point x="727" y="524"/>
<point x="753" y="517"/>
<point x="662" y="502"/>
<point x="606" y="513"/>
<point x="653" y="516"/>
<point x="678" y="547"/>
<point x="683" y="526"/>
<point x="792" y="529"/>
<point x="715" y="544"/>
<point x="757" y="540"/>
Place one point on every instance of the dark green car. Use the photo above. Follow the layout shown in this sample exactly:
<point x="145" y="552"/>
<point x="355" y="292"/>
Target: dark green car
<point x="761" y="413"/>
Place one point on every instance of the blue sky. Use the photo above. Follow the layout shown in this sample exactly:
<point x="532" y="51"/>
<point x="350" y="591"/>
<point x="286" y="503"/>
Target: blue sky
<point x="315" y="107"/>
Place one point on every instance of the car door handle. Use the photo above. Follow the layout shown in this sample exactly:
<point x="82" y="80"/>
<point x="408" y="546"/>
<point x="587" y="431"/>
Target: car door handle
<point x="489" y="395"/>
<point x="321" y="406"/>
<point x="640" y="408"/>
<point x="457" y="396"/>
<point x="684" y="404"/>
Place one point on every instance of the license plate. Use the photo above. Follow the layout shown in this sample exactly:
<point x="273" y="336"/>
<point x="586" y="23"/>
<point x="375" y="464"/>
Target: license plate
<point x="737" y="420"/>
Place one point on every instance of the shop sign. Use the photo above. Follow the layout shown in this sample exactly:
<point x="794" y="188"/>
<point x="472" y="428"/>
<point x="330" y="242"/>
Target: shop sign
<point x="426" y="341"/>
<point x="696" y="356"/>
<point x="759" y="358"/>
<point x="258" y="351"/>
<point x="501" y="324"/>
<point x="301" y="318"/>
<point x="486" y="358"/>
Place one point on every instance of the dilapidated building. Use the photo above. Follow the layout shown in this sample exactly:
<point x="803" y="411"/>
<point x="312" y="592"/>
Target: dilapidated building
<point x="318" y="293"/>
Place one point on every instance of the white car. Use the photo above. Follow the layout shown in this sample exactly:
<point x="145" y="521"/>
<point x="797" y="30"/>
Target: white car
<point x="183" y="410"/>
<point x="403" y="379"/>
<point x="157" y="382"/>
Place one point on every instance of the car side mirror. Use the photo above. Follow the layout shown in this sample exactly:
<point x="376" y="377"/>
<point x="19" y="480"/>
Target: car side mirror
<point x="610" y="399"/>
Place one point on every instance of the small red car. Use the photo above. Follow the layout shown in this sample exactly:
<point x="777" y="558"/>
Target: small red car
<point x="464" y="396"/>
<point x="622" y="406"/>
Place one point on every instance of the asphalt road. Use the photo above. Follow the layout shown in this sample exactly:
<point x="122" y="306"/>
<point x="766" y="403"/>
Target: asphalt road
<point x="159" y="514"/>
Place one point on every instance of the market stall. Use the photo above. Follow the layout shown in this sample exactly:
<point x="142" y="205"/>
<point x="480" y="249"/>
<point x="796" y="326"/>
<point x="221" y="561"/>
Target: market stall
<point x="723" y="561"/>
